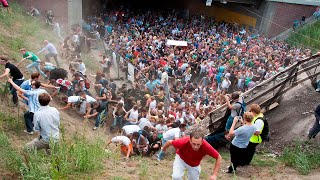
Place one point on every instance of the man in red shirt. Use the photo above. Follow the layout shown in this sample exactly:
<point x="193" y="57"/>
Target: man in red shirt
<point x="189" y="153"/>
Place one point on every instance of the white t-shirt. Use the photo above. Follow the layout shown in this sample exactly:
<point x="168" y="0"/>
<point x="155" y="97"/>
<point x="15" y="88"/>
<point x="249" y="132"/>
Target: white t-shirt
<point x="134" y="115"/>
<point x="162" y="128"/>
<point x="144" y="122"/>
<point x="74" y="99"/>
<point x="153" y="104"/>
<point x="121" y="139"/>
<point x="259" y="125"/>
<point x="172" y="134"/>
<point x="225" y="84"/>
<point x="82" y="68"/>
<point x="90" y="99"/>
<point x="129" y="129"/>
<point x="164" y="77"/>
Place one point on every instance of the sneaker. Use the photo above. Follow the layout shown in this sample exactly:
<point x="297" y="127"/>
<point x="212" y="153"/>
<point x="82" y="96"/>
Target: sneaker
<point x="30" y="133"/>
<point x="94" y="128"/>
<point x="318" y="89"/>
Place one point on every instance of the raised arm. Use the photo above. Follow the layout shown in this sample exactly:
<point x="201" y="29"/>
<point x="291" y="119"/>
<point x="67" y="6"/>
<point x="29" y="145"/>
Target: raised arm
<point x="16" y="86"/>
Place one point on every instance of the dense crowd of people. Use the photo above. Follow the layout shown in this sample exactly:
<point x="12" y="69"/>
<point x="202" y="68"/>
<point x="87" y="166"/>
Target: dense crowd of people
<point x="175" y="86"/>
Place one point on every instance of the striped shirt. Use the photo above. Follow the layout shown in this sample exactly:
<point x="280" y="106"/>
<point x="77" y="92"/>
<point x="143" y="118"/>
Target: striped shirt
<point x="33" y="99"/>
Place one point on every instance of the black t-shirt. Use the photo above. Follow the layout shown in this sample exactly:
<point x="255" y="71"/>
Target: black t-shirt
<point x="14" y="71"/>
<point x="100" y="108"/>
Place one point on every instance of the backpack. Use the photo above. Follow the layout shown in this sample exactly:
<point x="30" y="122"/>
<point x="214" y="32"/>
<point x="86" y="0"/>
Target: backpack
<point x="242" y="108"/>
<point x="265" y="134"/>
<point x="87" y="83"/>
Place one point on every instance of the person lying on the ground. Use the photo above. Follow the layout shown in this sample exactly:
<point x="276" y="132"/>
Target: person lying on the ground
<point x="81" y="102"/>
<point x="125" y="145"/>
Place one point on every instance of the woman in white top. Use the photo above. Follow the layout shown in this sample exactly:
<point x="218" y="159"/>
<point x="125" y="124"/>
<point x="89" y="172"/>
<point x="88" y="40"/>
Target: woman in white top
<point x="132" y="115"/>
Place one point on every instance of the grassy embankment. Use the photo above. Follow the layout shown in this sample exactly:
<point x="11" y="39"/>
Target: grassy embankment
<point x="309" y="37"/>
<point x="77" y="156"/>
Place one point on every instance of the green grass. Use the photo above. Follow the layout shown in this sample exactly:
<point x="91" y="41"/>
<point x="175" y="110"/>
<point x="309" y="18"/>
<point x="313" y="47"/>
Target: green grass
<point x="19" y="30"/>
<point x="302" y="156"/>
<point x="308" y="36"/>
<point x="75" y="158"/>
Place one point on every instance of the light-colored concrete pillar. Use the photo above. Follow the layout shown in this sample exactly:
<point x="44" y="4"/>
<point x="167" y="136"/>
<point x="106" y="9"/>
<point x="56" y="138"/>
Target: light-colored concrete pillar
<point x="74" y="12"/>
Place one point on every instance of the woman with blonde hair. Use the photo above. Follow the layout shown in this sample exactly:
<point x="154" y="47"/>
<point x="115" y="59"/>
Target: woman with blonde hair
<point x="241" y="137"/>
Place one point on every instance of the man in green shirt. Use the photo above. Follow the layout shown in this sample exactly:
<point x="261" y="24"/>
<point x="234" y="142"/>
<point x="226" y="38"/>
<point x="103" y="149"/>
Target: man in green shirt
<point x="35" y="61"/>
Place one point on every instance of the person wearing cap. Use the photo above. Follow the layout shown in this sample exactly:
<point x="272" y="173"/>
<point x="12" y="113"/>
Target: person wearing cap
<point x="171" y="134"/>
<point x="189" y="153"/>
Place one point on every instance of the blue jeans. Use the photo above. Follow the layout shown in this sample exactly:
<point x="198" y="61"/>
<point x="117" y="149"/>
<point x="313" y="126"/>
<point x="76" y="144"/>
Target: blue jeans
<point x="99" y="116"/>
<point x="162" y="153"/>
<point x="55" y="57"/>
<point x="28" y="118"/>
<point x="229" y="123"/>
<point x="118" y="121"/>
<point x="36" y="65"/>
<point x="215" y="140"/>
<point x="314" y="130"/>
<point x="13" y="91"/>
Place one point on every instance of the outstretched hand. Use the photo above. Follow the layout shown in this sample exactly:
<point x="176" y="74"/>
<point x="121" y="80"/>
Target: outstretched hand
<point x="9" y="79"/>
<point x="213" y="177"/>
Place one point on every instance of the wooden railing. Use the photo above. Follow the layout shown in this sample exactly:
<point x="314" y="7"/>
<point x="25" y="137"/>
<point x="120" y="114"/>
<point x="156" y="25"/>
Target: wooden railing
<point x="271" y="91"/>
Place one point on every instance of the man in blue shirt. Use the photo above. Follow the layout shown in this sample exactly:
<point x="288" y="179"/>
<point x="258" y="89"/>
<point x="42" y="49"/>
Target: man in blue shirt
<point x="33" y="102"/>
<point x="26" y="85"/>
<point x="46" y="122"/>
